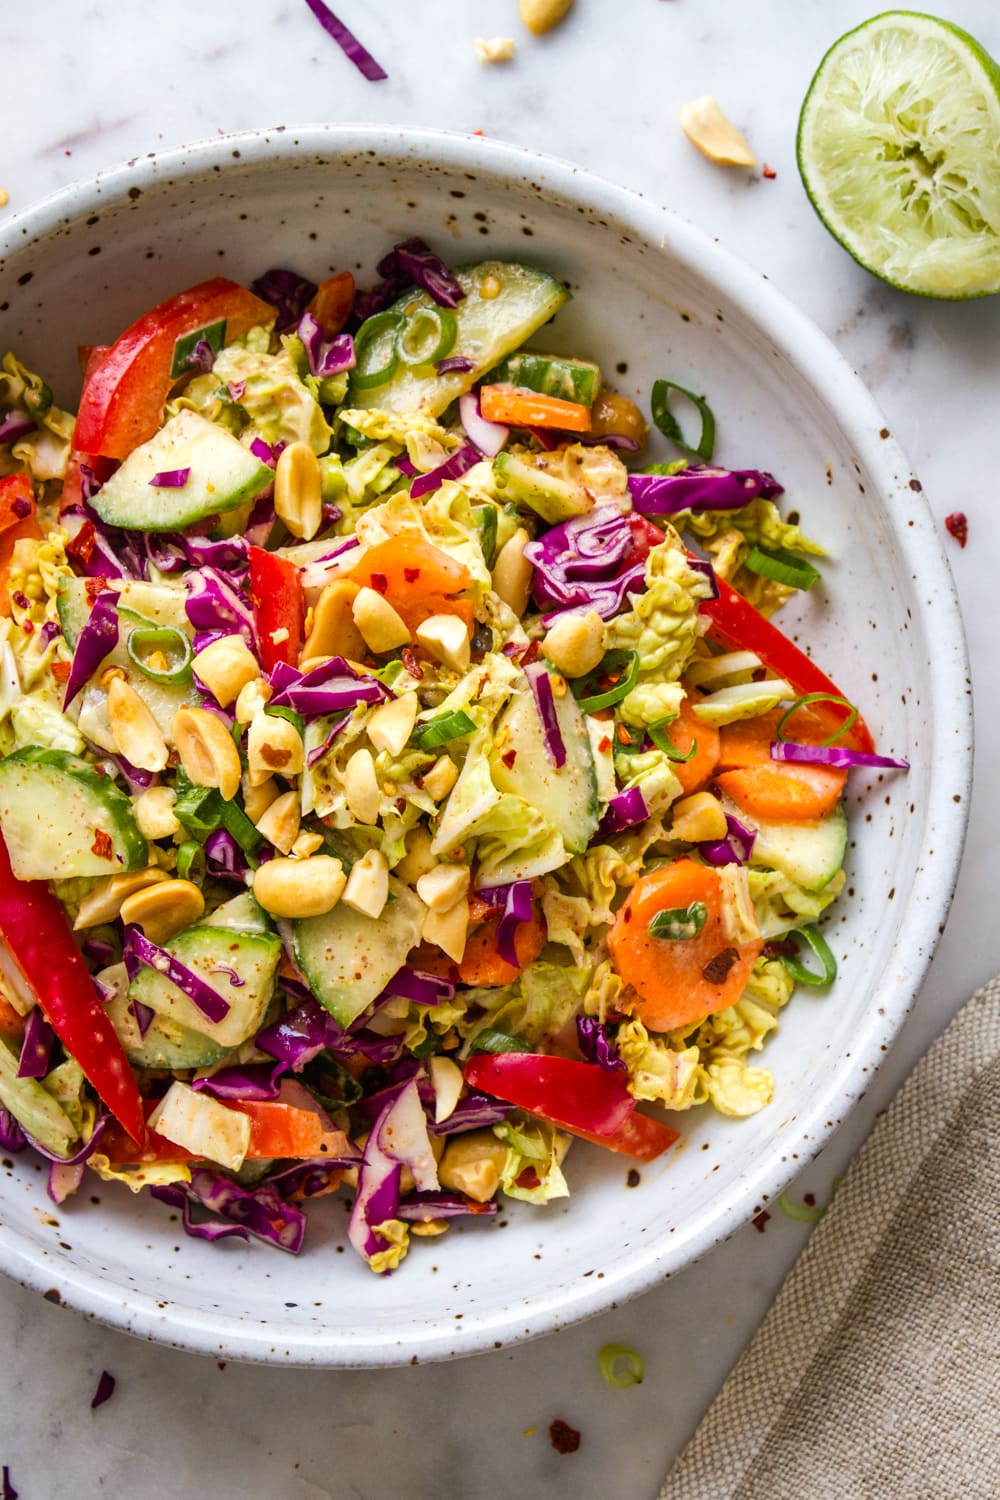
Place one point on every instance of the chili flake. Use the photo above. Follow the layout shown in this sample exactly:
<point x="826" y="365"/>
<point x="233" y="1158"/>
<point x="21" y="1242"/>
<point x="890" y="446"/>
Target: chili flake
<point x="409" y="660"/>
<point x="563" y="1437"/>
<point x="411" y="574"/>
<point x="379" y="583"/>
<point x="761" y="1220"/>
<point x="102" y="845"/>
<point x="957" y="525"/>
<point x="717" y="968"/>
<point x="508" y="758"/>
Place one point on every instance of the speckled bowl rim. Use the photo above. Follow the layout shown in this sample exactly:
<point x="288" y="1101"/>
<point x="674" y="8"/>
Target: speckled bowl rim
<point x="812" y="354"/>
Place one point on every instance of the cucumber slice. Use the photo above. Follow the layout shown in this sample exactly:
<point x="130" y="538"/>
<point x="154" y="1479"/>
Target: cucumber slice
<point x="808" y="853"/>
<point x="165" y="1044"/>
<point x="567" y="797"/>
<point x="34" y="1107"/>
<point x="241" y="912"/>
<point x="62" y="819"/>
<point x="487" y="329"/>
<point x="223" y="475"/>
<point x="551" y="375"/>
<point x="253" y="956"/>
<point x="74" y="601"/>
<point x="348" y="959"/>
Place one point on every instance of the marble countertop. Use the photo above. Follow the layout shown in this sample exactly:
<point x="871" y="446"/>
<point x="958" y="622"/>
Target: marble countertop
<point x="90" y="84"/>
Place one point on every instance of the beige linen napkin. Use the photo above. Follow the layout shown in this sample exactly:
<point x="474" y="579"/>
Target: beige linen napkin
<point x="875" y="1375"/>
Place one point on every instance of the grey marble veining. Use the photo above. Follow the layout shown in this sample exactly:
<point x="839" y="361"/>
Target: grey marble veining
<point x="89" y="84"/>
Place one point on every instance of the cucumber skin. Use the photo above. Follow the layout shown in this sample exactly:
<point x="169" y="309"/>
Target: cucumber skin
<point x="200" y="947"/>
<point x="429" y="394"/>
<point x="165" y="1044"/>
<point x="550" y="374"/>
<point x="16" y="770"/>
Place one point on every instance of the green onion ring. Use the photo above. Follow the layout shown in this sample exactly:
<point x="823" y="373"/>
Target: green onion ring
<point x="163" y="638"/>
<point x="783" y="567"/>
<point x="444" y="728"/>
<point x="191" y="862"/>
<point x="440" y="340"/>
<point x="662" y="742"/>
<point x="805" y="1213"/>
<point x="611" y="662"/>
<point x="671" y="428"/>
<point x="620" y="1366"/>
<point x="828" y="963"/>
<point x="804" y="702"/>
<point x="679" y="924"/>
<point x="371" y="331"/>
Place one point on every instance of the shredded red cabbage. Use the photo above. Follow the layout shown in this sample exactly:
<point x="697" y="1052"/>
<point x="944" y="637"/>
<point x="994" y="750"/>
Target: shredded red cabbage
<point x="416" y="260"/>
<point x="699" y="487"/>
<point x="170" y="479"/>
<point x="287" y="292"/>
<point x="541" y="689"/>
<point x="455" y="364"/>
<point x="627" y="810"/>
<point x="597" y="1046"/>
<point x="833" y="755"/>
<point x="398" y="1138"/>
<point x="418" y="1208"/>
<point x="317" y="753"/>
<point x="735" y="849"/>
<point x="231" y="555"/>
<point x="138" y="951"/>
<point x="14" y="425"/>
<point x="618" y="440"/>
<point x="515" y="898"/>
<point x="64" y="1180"/>
<point x="215" y="608"/>
<point x="421" y="988"/>
<point x="88" y="1147"/>
<point x="347" y="42"/>
<point x="223" y="856"/>
<point x="327" y="689"/>
<point x="12" y="1137"/>
<point x="253" y="1081"/>
<point x="97" y="639"/>
<point x="326" y="356"/>
<point x="588" y="561"/>
<point x="36" y="1046"/>
<point x="488" y="437"/>
<point x="475" y="1111"/>
<point x="262" y="1211"/>
<point x="178" y="1197"/>
<point x="98" y="950"/>
<point x="453" y="468"/>
<point x="105" y="1390"/>
<point x="144" y="1015"/>
<point x="202" y="357"/>
<point x="704" y="567"/>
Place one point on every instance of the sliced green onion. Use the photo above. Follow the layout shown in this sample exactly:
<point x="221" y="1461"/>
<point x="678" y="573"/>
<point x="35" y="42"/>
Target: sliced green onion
<point x="375" y="350"/>
<point x="805" y="1213"/>
<point x="236" y="822"/>
<point x="620" y="1366"/>
<point x="198" y="808"/>
<point x="213" y="334"/>
<point x="783" y="566"/>
<point x="804" y="702"/>
<point x="295" y="719"/>
<point x="660" y="739"/>
<point x="430" y="1044"/>
<point x="388" y="674"/>
<point x="625" y="664"/>
<point x="671" y="428"/>
<point x="828" y="964"/>
<point x="427" y="335"/>
<point x="191" y="862"/>
<point x="140" y="644"/>
<point x="487" y="519"/>
<point x="438" y="731"/>
<point x="679" y="924"/>
<point x="37" y="398"/>
<point x="491" y="1040"/>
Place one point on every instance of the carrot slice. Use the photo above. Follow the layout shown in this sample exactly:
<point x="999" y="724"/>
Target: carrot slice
<point x="679" y="981"/>
<point x="748" y="741"/>
<point x="516" y="407"/>
<point x="683" y="732"/>
<point x="332" y="302"/>
<point x="785" y="793"/>
<point x="417" y="578"/>
<point x="482" y="964"/>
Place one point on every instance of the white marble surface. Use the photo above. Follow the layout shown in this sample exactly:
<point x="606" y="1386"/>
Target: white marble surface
<point x="90" y="82"/>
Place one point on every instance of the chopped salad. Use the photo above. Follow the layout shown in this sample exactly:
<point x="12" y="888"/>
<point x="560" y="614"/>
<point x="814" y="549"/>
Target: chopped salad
<point x="400" y="776"/>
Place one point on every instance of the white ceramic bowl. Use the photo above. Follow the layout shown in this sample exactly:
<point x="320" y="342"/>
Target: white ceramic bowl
<point x="655" y="294"/>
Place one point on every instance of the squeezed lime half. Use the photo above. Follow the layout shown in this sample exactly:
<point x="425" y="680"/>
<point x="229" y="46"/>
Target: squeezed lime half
<point x="899" y="152"/>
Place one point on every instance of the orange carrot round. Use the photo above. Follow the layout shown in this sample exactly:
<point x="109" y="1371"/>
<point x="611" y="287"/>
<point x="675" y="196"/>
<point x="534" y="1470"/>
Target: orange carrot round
<point x="683" y="732"/>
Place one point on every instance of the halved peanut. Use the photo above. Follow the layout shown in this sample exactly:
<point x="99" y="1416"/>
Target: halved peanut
<point x="390" y="725"/>
<point x="473" y="1163"/>
<point x="306" y="844"/>
<point x="257" y="799"/>
<point x="446" y="1076"/>
<point x="135" y="732"/>
<point x="448" y="929"/>
<point x="274" y="747"/>
<point x="716" y="137"/>
<point x="298" y="490"/>
<point x="153" y="810"/>
<point x="512" y="572"/>
<point x="207" y="752"/>
<point x="333" y="631"/>
<point x="418" y="858"/>
<point x="103" y="903"/>
<point x="429" y="1228"/>
<point x="446" y="638"/>
<point x="495" y="49"/>
<point x="279" y="823"/>
<point x="381" y="627"/>
<point x="367" y="888"/>
<point x="361" y="787"/>
<point x="443" y="886"/>
<point x="698" y="819"/>
<point x="164" y="909"/>
<point x="299" y="887"/>
<point x="251" y="699"/>
<point x="226" y="666"/>
<point x="439" y="780"/>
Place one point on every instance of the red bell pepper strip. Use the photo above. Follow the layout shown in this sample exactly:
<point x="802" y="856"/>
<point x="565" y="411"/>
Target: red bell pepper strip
<point x="741" y="626"/>
<point x="578" y="1097"/>
<point x="279" y="607"/>
<point x="127" y="384"/>
<point x="37" y="936"/>
<point x="277" y="1131"/>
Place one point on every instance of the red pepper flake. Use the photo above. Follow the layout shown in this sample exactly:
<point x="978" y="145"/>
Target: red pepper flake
<point x="21" y="507"/>
<point x="760" y="1222"/>
<point x="379" y="583"/>
<point x="624" y="738"/>
<point x="508" y="758"/>
<point x="102" y="845"/>
<point x="81" y="548"/>
<point x="531" y="654"/>
<point x="781" y="948"/>
<point x="94" y="587"/>
<point x="411" y="574"/>
<point x="27" y="627"/>
<point x="810" y="1199"/>
<point x="61" y="671"/>
<point x="768" y="172"/>
<point x="717" y="968"/>
<point x="529" y="1178"/>
<point x="604" y="745"/>
<point x="409" y="660"/>
<point x="563" y="1437"/>
<point x="957" y="525"/>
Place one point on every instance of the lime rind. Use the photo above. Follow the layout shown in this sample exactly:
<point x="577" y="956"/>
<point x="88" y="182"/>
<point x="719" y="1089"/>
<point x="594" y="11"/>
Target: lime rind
<point x="899" y="153"/>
